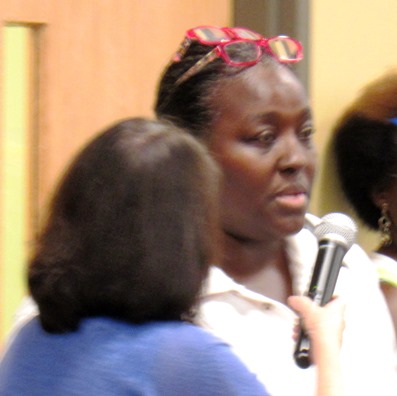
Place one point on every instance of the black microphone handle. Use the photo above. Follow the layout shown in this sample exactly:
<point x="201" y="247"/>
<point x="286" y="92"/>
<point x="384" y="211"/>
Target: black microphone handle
<point x="326" y="270"/>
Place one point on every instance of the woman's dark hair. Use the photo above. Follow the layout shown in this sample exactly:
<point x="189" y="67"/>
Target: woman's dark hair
<point x="131" y="229"/>
<point x="188" y="104"/>
<point x="365" y="147"/>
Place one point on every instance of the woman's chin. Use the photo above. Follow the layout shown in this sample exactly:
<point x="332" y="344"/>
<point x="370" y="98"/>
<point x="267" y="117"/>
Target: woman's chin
<point x="293" y="225"/>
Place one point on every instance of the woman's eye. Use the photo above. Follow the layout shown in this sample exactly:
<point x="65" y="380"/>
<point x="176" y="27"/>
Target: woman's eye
<point x="306" y="132"/>
<point x="265" y="138"/>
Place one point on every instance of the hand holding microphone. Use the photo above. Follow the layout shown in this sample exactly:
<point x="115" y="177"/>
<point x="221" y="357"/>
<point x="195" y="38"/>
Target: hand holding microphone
<point x="335" y="234"/>
<point x="324" y="326"/>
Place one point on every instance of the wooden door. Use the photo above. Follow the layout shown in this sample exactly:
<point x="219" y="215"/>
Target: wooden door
<point x="89" y="63"/>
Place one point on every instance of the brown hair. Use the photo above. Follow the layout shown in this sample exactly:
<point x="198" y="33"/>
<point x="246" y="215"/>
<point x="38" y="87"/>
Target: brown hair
<point x="131" y="229"/>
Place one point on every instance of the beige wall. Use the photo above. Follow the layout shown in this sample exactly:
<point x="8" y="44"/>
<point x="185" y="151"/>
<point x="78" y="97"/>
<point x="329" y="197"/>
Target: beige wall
<point x="352" y="42"/>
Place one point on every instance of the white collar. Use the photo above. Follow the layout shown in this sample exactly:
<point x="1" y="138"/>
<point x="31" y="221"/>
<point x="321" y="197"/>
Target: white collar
<point x="301" y="250"/>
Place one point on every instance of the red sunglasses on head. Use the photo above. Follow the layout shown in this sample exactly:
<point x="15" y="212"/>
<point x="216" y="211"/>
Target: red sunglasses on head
<point x="230" y="41"/>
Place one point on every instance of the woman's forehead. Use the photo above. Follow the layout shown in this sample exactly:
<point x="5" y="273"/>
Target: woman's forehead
<point x="258" y="88"/>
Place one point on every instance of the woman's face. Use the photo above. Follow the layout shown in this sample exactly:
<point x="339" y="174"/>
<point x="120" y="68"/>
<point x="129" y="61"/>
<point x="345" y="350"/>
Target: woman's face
<point x="262" y="138"/>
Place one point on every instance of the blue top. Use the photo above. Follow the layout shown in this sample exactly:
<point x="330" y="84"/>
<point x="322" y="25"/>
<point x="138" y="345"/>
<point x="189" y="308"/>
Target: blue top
<point x="109" y="357"/>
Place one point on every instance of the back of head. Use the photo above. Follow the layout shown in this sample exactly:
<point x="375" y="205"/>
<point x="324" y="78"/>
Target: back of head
<point x="131" y="229"/>
<point x="365" y="146"/>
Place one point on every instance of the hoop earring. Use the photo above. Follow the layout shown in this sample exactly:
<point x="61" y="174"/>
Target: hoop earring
<point x="384" y="223"/>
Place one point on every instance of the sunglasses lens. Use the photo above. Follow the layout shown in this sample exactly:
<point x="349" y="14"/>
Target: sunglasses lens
<point x="211" y="35"/>
<point x="246" y="34"/>
<point x="285" y="49"/>
<point x="242" y="52"/>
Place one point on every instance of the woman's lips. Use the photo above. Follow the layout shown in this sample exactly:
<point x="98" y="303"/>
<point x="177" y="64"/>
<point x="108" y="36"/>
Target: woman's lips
<point x="293" y="200"/>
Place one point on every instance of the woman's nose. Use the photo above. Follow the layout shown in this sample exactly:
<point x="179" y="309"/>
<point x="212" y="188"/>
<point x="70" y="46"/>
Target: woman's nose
<point x="293" y="155"/>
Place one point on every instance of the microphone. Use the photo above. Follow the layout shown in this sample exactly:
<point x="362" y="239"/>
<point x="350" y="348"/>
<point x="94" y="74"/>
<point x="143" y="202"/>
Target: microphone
<point x="336" y="234"/>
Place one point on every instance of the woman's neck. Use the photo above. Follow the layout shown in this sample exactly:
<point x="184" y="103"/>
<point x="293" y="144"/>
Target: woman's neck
<point x="261" y="266"/>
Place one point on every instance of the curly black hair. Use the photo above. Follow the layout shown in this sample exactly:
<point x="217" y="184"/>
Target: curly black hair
<point x="365" y="147"/>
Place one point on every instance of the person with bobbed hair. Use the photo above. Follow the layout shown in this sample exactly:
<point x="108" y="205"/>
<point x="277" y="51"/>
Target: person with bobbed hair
<point x="365" y="149"/>
<point x="132" y="187"/>
<point x="238" y="93"/>
<point x="116" y="272"/>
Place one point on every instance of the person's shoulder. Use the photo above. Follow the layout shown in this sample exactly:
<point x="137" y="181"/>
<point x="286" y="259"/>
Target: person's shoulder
<point x="30" y="328"/>
<point x="183" y="344"/>
<point x="166" y="334"/>
<point x="26" y="337"/>
<point x="185" y="333"/>
<point x="197" y="360"/>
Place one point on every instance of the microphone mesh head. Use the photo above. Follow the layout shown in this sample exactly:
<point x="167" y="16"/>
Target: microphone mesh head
<point x="337" y="226"/>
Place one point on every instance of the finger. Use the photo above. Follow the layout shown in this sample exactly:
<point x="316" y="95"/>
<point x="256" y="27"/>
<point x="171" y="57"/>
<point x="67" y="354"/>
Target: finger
<point x="300" y="304"/>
